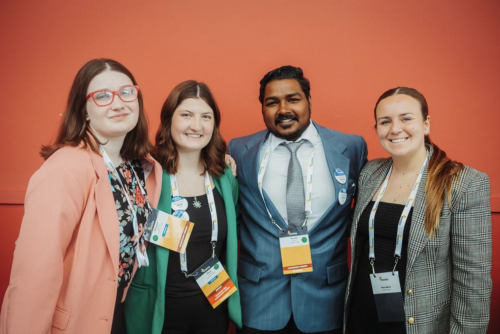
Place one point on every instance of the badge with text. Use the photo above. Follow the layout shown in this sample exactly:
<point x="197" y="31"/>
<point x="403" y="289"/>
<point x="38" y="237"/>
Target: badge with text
<point x="339" y="175"/>
<point x="214" y="281"/>
<point x="388" y="297"/>
<point x="295" y="250"/>
<point x="181" y="214"/>
<point x="168" y="231"/>
<point x="342" y="196"/>
<point x="179" y="203"/>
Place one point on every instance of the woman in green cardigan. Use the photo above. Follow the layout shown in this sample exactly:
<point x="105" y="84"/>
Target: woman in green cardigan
<point x="197" y="186"/>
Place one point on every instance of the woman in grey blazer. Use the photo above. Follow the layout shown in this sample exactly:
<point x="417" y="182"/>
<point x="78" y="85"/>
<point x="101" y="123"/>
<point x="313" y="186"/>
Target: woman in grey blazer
<point x="421" y="232"/>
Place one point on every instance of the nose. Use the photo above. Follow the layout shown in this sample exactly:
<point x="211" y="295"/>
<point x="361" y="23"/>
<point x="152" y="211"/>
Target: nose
<point x="117" y="103"/>
<point x="395" y="127"/>
<point x="283" y="107"/>
<point x="196" y="124"/>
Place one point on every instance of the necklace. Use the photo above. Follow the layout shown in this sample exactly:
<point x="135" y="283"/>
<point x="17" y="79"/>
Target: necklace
<point x="196" y="203"/>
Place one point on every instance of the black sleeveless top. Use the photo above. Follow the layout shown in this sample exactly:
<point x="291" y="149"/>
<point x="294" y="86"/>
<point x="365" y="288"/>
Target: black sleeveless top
<point x="199" y="248"/>
<point x="362" y="311"/>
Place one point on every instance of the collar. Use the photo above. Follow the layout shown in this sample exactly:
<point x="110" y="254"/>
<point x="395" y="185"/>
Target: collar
<point x="310" y="134"/>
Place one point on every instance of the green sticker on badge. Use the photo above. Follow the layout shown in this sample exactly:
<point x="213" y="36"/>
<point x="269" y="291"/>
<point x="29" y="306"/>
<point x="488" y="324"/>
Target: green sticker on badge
<point x="155" y="238"/>
<point x="216" y="266"/>
<point x="304" y="239"/>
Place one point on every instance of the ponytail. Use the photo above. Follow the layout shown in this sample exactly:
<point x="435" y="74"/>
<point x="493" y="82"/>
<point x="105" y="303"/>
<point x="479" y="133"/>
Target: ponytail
<point x="442" y="173"/>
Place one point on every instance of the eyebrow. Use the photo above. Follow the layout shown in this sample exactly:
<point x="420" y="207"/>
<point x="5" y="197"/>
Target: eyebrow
<point x="112" y="90"/>
<point x="286" y="96"/>
<point x="401" y="115"/>
<point x="189" y="111"/>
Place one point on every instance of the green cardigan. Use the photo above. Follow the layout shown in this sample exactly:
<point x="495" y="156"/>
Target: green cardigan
<point x="145" y="302"/>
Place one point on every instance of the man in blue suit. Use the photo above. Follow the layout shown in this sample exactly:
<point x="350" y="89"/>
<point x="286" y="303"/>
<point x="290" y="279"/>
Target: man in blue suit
<point x="277" y="297"/>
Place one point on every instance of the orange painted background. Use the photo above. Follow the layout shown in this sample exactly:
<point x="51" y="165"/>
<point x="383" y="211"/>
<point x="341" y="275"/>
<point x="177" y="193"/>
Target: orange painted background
<point x="351" y="51"/>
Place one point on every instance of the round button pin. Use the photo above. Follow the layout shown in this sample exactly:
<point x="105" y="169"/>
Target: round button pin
<point x="179" y="203"/>
<point x="342" y="196"/>
<point x="181" y="214"/>
<point x="340" y="175"/>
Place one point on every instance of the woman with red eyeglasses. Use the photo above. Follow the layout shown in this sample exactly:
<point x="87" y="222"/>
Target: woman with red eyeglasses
<point x="85" y="211"/>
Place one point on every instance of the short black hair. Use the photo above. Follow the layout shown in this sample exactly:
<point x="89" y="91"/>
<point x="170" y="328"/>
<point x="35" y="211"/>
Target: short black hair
<point x="282" y="73"/>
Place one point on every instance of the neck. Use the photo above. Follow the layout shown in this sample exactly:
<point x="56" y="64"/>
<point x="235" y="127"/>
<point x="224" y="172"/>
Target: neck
<point x="190" y="163"/>
<point x="113" y="147"/>
<point x="410" y="164"/>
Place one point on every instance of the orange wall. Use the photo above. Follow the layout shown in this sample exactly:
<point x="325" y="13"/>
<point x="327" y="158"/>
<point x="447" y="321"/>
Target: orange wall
<point x="351" y="51"/>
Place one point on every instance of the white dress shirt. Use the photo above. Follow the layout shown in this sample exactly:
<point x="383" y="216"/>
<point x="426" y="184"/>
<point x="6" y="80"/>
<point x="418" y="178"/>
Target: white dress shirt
<point x="275" y="178"/>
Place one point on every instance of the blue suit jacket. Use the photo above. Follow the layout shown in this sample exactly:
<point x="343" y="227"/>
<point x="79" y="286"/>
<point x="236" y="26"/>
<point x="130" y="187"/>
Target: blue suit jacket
<point x="316" y="299"/>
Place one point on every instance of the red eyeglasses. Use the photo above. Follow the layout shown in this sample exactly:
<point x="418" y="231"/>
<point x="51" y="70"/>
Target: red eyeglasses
<point x="105" y="97"/>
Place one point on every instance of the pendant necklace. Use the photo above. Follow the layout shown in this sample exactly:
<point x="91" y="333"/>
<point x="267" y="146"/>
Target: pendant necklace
<point x="196" y="203"/>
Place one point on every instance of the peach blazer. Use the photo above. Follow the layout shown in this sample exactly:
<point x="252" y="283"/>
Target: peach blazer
<point x="65" y="269"/>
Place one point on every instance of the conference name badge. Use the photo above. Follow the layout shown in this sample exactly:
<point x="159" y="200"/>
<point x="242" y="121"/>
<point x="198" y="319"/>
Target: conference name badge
<point x="295" y="250"/>
<point x="388" y="297"/>
<point x="214" y="281"/>
<point x="168" y="231"/>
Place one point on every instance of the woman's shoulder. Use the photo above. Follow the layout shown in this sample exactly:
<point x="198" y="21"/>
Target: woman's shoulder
<point x="469" y="178"/>
<point x="227" y="175"/>
<point x="72" y="160"/>
<point x="375" y="166"/>
<point x="227" y="178"/>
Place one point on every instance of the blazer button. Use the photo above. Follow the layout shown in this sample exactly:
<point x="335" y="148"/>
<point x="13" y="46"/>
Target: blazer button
<point x="411" y="320"/>
<point x="410" y="292"/>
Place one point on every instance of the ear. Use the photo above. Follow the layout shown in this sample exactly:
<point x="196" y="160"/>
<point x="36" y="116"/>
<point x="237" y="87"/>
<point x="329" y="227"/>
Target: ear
<point x="427" y="125"/>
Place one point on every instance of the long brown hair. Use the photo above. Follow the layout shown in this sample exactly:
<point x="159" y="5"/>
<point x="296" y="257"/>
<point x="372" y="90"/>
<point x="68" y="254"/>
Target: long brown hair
<point x="442" y="171"/>
<point x="75" y="130"/>
<point x="165" y="151"/>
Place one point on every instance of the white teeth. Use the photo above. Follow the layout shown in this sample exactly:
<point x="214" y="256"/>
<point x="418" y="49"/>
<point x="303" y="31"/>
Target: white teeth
<point x="398" y="140"/>
<point x="193" y="135"/>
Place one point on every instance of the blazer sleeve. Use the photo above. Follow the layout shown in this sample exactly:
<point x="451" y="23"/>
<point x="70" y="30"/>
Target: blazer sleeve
<point x="471" y="254"/>
<point x="235" y="193"/>
<point x="362" y="160"/>
<point x="53" y="207"/>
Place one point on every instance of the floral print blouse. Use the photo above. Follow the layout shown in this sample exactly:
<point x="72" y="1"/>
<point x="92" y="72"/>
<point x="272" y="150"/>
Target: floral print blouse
<point x="131" y="188"/>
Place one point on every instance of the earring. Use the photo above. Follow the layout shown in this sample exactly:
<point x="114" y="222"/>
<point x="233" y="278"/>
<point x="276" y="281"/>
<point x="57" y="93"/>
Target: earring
<point x="87" y="118"/>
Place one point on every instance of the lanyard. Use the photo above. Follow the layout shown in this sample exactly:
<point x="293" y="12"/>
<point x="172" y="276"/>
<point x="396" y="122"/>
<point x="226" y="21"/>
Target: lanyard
<point x="308" y="197"/>
<point x="402" y="219"/>
<point x="140" y="248"/>
<point x="213" y="214"/>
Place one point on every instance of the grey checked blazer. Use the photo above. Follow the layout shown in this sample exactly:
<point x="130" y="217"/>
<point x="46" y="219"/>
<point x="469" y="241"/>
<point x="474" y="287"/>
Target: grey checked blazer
<point x="448" y="274"/>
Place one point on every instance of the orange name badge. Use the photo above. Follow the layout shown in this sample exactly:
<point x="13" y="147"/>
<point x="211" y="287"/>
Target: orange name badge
<point x="168" y="231"/>
<point x="214" y="281"/>
<point x="295" y="251"/>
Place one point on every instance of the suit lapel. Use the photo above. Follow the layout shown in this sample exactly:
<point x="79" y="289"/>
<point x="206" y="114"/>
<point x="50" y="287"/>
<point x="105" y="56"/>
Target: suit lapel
<point x="368" y="190"/>
<point x="106" y="209"/>
<point x="334" y="150"/>
<point x="250" y="171"/>
<point x="418" y="234"/>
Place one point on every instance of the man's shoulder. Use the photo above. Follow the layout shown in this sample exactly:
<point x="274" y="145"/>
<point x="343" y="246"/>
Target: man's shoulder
<point x="245" y="140"/>
<point x="347" y="138"/>
<point x="250" y="137"/>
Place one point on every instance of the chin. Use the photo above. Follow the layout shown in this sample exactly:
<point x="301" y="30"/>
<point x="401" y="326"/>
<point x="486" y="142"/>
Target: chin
<point x="288" y="135"/>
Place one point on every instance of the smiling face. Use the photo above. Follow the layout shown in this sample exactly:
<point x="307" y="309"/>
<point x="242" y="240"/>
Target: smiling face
<point x="285" y="109"/>
<point x="401" y="128"/>
<point x="118" y="118"/>
<point x="192" y="125"/>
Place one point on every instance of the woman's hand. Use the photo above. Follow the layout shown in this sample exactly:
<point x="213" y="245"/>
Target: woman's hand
<point x="230" y="161"/>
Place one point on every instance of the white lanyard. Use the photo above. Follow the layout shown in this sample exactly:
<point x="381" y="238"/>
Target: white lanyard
<point x="140" y="247"/>
<point x="309" y="183"/>
<point x="402" y="219"/>
<point x="213" y="214"/>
